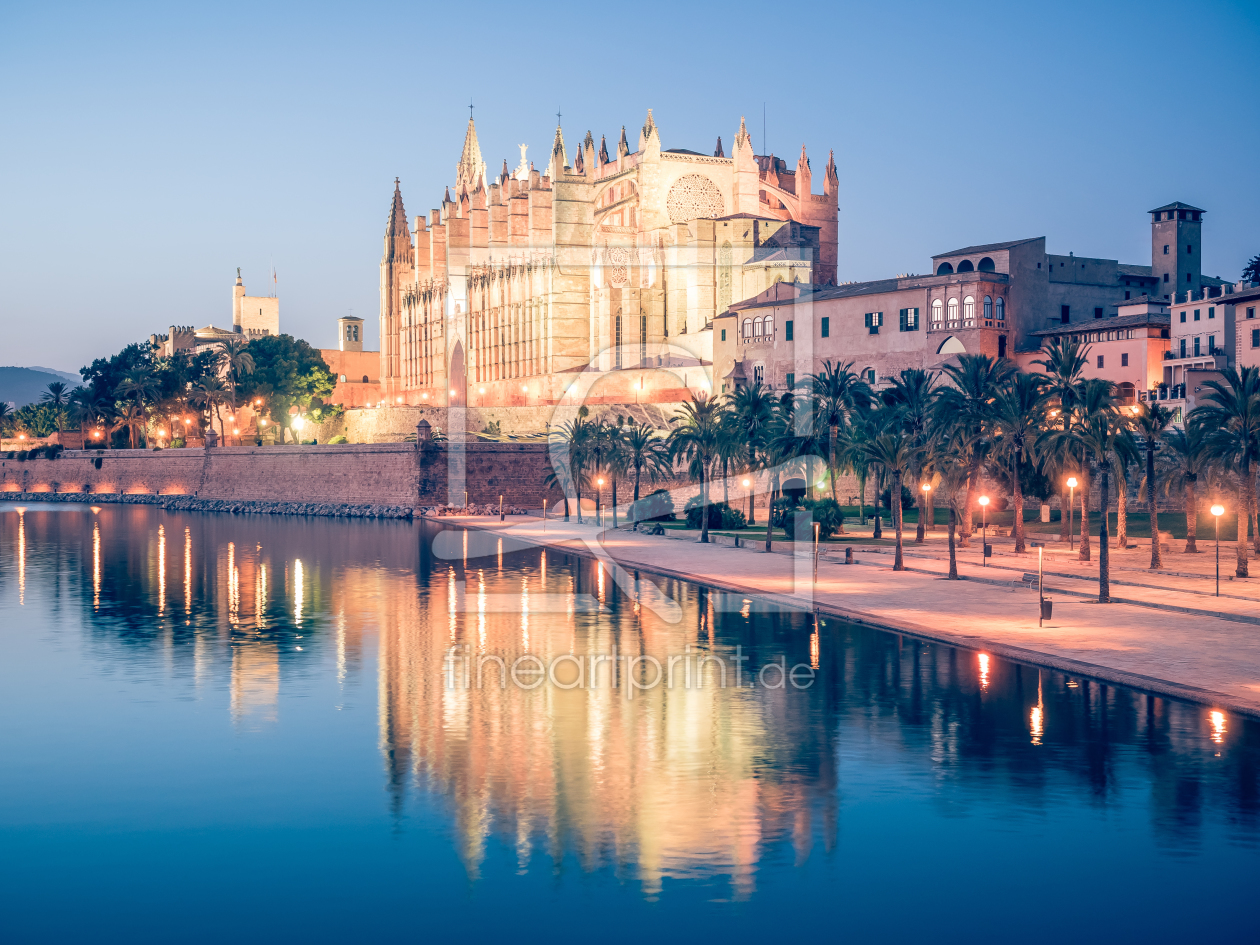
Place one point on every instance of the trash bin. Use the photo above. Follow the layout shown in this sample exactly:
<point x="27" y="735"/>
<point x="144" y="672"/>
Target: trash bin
<point x="848" y="555"/>
<point x="1047" y="609"/>
<point x="988" y="551"/>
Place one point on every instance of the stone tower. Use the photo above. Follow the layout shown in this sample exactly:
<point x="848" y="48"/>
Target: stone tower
<point x="1176" y="242"/>
<point x="350" y="333"/>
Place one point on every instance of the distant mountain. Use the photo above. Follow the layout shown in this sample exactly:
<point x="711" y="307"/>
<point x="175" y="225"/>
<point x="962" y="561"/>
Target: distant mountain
<point x="24" y="385"/>
<point x="73" y="379"/>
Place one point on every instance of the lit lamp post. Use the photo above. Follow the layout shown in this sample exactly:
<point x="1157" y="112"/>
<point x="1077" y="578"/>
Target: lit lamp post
<point x="926" y="488"/>
<point x="1071" y="511"/>
<point x="599" y="503"/>
<point x="1217" y="512"/>
<point x="748" y="491"/>
<point x="984" y="525"/>
<point x="816" y="552"/>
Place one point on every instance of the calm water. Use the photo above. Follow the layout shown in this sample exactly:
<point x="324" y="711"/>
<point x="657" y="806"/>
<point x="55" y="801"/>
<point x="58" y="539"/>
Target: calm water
<point x="230" y="728"/>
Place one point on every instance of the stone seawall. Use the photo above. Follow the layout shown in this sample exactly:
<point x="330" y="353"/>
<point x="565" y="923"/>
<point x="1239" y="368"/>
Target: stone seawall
<point x="392" y="474"/>
<point x="188" y="503"/>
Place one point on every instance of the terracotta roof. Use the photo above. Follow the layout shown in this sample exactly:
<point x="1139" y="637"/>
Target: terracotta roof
<point x="986" y="247"/>
<point x="1176" y="205"/>
<point x="1106" y="324"/>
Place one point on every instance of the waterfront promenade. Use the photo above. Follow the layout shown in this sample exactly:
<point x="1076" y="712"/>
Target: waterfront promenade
<point x="1163" y="639"/>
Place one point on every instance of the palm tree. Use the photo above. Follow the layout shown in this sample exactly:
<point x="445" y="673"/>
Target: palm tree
<point x="1185" y="460"/>
<point x="837" y="394"/>
<point x="6" y="414"/>
<point x="1152" y="420"/>
<point x="696" y="439"/>
<point x="1019" y="415"/>
<point x="235" y="362"/>
<point x="57" y="397"/>
<point x="646" y="453"/>
<point x="1093" y="400"/>
<point x="209" y="394"/>
<point x="912" y="395"/>
<point x="616" y="458"/>
<point x="892" y="450"/>
<point x="1102" y="433"/>
<point x="968" y="402"/>
<point x="1065" y="364"/>
<point x="570" y="461"/>
<point x="138" y="390"/>
<point x="1231" y="415"/>
<point x="754" y="408"/>
<point x="953" y="475"/>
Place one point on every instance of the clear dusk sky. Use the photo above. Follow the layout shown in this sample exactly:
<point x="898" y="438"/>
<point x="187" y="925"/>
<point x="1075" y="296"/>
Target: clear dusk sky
<point x="146" y="151"/>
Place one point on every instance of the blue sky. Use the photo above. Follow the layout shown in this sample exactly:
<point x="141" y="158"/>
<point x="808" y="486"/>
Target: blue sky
<point x="149" y="150"/>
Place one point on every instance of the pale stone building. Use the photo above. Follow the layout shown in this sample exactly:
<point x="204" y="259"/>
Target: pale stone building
<point x="614" y="262"/>
<point x="252" y="317"/>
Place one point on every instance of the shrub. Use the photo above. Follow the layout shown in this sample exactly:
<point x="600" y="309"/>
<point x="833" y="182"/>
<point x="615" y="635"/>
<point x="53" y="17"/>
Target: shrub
<point x="657" y="507"/>
<point x="827" y="513"/>
<point x="157" y="449"/>
<point x="721" y="515"/>
<point x="178" y="444"/>
<point x="339" y="439"/>
<point x="21" y="456"/>
<point x="781" y="511"/>
<point x="97" y="462"/>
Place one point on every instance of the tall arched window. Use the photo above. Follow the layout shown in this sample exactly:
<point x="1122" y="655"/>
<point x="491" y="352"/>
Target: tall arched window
<point x="747" y="329"/>
<point x="768" y="322"/>
<point x="1001" y="309"/>
<point x="988" y="307"/>
<point x="938" y="313"/>
<point x="724" y="277"/>
<point x="944" y="269"/>
<point x="953" y="313"/>
<point x="756" y="327"/>
<point x="969" y="311"/>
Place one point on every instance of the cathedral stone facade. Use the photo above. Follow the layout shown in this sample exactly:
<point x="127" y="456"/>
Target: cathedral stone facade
<point x="615" y="263"/>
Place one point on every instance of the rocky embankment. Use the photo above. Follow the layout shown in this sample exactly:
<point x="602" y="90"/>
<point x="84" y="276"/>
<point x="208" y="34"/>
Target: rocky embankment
<point x="188" y="503"/>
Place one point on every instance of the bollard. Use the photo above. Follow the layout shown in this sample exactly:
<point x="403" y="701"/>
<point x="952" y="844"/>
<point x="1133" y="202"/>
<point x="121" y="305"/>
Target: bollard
<point x="848" y="555"/>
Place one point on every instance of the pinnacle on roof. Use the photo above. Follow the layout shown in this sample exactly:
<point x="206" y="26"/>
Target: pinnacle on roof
<point x="623" y="146"/>
<point x="504" y="175"/>
<point x="717" y="152"/>
<point x="648" y="127"/>
<point x="397" y="214"/>
<point x="471" y="169"/>
<point x="579" y="164"/>
<point x="743" y="139"/>
<point x="603" y="150"/>
<point x="447" y="198"/>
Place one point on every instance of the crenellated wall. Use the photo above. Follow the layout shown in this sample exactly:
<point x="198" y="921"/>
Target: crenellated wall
<point x="368" y="474"/>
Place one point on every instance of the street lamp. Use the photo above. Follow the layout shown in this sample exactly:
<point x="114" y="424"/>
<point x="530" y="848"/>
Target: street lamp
<point x="926" y="488"/>
<point x="599" y="503"/>
<point x="1217" y="512"/>
<point x="748" y="491"/>
<point x="1071" y="510"/>
<point x="984" y="524"/>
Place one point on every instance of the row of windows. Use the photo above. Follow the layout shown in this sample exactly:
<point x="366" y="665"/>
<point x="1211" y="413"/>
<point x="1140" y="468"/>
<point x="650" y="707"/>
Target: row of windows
<point x="1211" y="313"/>
<point x="753" y="329"/>
<point x="1124" y="360"/>
<point x="1196" y="350"/>
<point x="992" y="309"/>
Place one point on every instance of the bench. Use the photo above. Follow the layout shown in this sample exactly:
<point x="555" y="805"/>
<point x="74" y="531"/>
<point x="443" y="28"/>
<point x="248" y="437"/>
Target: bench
<point x="1030" y="578"/>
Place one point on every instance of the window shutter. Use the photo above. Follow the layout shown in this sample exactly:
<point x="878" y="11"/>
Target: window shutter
<point x="866" y="320"/>
<point x="905" y="319"/>
<point x="915" y="325"/>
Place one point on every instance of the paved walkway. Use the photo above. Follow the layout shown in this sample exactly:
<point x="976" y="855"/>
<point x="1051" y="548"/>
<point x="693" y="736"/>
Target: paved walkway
<point x="1147" y="644"/>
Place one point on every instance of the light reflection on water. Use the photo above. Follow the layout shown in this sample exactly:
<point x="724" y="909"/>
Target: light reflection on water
<point x="852" y="788"/>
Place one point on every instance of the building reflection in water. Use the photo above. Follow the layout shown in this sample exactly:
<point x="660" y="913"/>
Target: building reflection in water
<point x="674" y="783"/>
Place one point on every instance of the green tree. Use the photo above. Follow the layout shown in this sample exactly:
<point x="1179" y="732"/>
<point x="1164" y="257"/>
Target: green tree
<point x="58" y="398"/>
<point x="1065" y="364"/>
<point x="1019" y="417"/>
<point x="137" y="391"/>
<point x="968" y="402"/>
<point x="837" y="394"/>
<point x="912" y="395"/>
<point x="646" y="454"/>
<point x="1251" y="272"/>
<point x="1184" y="461"/>
<point x="287" y="373"/>
<point x="695" y="439"/>
<point x="1152" y="421"/>
<point x="754" y="408"/>
<point x="1231" y="418"/>
<point x="892" y="450"/>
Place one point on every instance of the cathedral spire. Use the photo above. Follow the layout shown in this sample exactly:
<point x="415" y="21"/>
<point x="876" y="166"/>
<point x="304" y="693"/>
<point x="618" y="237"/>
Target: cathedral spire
<point x="603" y="150"/>
<point x="623" y="146"/>
<point x="397" y="215"/>
<point x="558" y="158"/>
<point x="717" y="152"/>
<point x="470" y="172"/>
